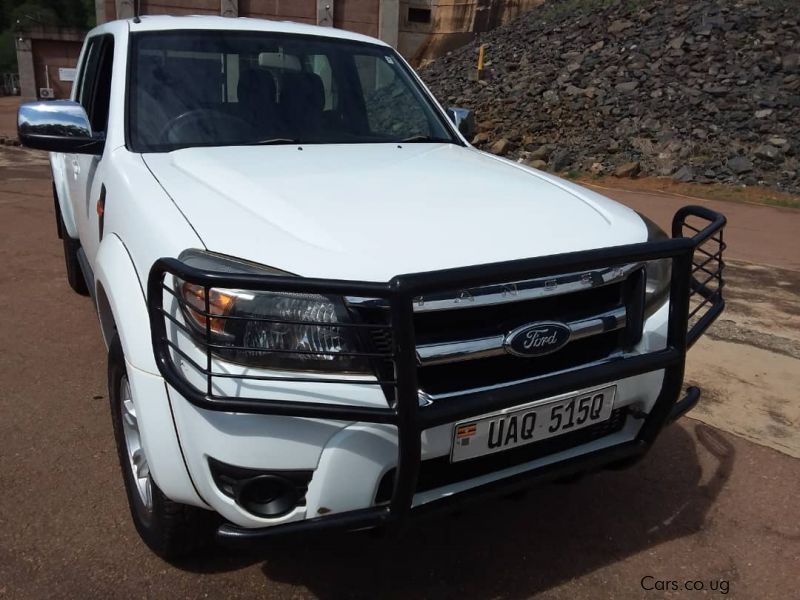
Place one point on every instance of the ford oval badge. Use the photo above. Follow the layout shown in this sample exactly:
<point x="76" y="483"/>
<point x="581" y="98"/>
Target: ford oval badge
<point x="537" y="339"/>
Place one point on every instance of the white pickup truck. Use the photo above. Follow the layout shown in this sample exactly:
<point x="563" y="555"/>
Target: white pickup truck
<point x="324" y="309"/>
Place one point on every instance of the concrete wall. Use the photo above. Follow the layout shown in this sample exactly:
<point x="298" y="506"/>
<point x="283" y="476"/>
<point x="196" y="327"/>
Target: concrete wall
<point x="453" y="23"/>
<point x="302" y="11"/>
<point x="25" y="65"/>
<point x="49" y="56"/>
<point x="357" y="15"/>
<point x="445" y="24"/>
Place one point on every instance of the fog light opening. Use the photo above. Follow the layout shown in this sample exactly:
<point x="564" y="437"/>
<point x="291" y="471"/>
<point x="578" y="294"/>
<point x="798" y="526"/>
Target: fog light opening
<point x="267" y="496"/>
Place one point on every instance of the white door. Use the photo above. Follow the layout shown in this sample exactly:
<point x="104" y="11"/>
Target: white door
<point x="85" y="171"/>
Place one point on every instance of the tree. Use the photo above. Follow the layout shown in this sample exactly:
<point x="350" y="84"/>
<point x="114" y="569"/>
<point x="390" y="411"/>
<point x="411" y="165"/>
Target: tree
<point x="8" y="52"/>
<point x="19" y="15"/>
<point x="49" y="13"/>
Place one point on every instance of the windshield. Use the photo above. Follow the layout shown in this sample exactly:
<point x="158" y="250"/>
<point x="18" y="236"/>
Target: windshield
<point x="224" y="88"/>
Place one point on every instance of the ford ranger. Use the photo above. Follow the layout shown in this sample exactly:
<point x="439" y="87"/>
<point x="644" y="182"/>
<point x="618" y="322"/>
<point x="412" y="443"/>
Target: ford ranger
<point x="324" y="309"/>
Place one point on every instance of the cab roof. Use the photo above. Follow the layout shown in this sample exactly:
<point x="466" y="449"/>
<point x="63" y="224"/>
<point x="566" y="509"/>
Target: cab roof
<point x="173" y="23"/>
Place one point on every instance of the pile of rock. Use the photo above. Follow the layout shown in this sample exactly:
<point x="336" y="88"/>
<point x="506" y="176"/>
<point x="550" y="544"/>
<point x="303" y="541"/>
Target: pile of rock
<point x="698" y="90"/>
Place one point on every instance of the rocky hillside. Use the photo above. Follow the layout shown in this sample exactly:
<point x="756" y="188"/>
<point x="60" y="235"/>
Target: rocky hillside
<point x="697" y="90"/>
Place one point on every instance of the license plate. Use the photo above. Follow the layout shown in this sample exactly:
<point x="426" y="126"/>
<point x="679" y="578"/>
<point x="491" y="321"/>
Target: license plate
<point x="537" y="421"/>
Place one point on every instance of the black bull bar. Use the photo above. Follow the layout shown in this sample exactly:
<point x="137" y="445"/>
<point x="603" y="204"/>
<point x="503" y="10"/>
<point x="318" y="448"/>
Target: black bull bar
<point x="696" y="249"/>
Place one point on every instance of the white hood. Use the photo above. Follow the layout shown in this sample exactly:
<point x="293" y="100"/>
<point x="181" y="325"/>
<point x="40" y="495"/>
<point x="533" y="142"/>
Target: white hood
<point x="372" y="211"/>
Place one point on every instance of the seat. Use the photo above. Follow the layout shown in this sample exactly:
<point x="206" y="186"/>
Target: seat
<point x="256" y="92"/>
<point x="302" y="102"/>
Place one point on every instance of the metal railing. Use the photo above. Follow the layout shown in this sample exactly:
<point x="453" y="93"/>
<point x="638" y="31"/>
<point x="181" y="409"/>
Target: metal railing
<point x="696" y="281"/>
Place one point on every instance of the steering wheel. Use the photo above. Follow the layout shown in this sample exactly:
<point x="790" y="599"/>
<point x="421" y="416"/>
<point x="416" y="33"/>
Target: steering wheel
<point x="211" y="125"/>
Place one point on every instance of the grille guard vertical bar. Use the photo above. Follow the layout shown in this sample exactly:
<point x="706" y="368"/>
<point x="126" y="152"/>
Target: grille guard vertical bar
<point x="404" y="411"/>
<point x="406" y="401"/>
<point x="716" y="226"/>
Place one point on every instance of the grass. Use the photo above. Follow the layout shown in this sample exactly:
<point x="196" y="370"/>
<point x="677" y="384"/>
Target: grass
<point x="782" y="202"/>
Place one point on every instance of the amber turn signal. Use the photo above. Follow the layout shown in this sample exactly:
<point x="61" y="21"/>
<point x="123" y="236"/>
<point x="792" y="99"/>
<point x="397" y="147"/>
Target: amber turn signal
<point x="219" y="303"/>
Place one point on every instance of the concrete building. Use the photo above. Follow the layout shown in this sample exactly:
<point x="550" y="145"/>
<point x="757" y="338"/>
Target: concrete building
<point x="419" y="29"/>
<point x="46" y="59"/>
<point x="430" y="28"/>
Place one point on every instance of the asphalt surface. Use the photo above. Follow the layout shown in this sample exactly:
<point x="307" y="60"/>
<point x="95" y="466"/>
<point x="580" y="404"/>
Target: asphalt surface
<point x="704" y="506"/>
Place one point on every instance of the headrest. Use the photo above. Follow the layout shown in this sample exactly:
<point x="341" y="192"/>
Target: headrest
<point x="305" y="89"/>
<point x="256" y="85"/>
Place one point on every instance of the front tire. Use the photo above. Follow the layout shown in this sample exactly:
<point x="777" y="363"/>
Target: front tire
<point x="169" y="529"/>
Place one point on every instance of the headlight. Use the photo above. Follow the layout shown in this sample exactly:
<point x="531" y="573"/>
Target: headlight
<point x="273" y="330"/>
<point x="659" y="272"/>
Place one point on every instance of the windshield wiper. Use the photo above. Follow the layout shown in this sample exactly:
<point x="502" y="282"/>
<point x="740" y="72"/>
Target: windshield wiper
<point x="426" y="138"/>
<point x="274" y="142"/>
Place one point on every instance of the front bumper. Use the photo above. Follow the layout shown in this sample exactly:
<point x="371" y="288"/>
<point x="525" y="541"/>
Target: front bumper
<point x="380" y="516"/>
<point x="375" y="517"/>
<point x="696" y="274"/>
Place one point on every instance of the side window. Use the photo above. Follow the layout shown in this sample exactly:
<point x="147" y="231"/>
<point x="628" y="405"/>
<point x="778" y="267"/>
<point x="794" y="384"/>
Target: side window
<point x="88" y="74"/>
<point x="94" y="91"/>
<point x="384" y="92"/>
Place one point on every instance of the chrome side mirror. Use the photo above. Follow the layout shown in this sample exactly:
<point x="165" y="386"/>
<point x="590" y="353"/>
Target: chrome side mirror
<point x="464" y="120"/>
<point x="57" y="126"/>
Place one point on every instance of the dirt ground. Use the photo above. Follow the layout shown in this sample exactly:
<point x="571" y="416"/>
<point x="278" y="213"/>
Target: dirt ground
<point x="713" y="504"/>
<point x="749" y="363"/>
<point x="8" y="116"/>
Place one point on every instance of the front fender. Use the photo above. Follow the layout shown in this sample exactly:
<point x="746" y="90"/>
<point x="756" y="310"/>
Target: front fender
<point x="58" y="167"/>
<point x="122" y="305"/>
<point x="123" y="311"/>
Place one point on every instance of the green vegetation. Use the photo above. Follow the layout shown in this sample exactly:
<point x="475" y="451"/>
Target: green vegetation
<point x="19" y="15"/>
<point x="782" y="202"/>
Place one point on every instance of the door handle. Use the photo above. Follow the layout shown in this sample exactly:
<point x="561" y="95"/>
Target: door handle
<point x="76" y="167"/>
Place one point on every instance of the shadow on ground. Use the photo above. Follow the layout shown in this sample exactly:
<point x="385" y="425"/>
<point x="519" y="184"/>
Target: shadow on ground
<point x="515" y="548"/>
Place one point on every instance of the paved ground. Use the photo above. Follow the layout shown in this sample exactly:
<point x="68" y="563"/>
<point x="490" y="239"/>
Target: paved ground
<point x="704" y="506"/>
<point x="8" y="115"/>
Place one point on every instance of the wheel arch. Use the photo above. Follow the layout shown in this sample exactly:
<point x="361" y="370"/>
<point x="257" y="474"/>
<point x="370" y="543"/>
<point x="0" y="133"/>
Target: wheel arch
<point x="121" y="304"/>
<point x="122" y="310"/>
<point x="108" y="325"/>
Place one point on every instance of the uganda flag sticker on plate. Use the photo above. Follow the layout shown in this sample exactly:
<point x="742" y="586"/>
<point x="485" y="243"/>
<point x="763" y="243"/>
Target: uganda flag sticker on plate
<point x="465" y="432"/>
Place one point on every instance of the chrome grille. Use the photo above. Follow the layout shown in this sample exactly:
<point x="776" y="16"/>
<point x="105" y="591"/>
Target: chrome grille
<point x="460" y="336"/>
